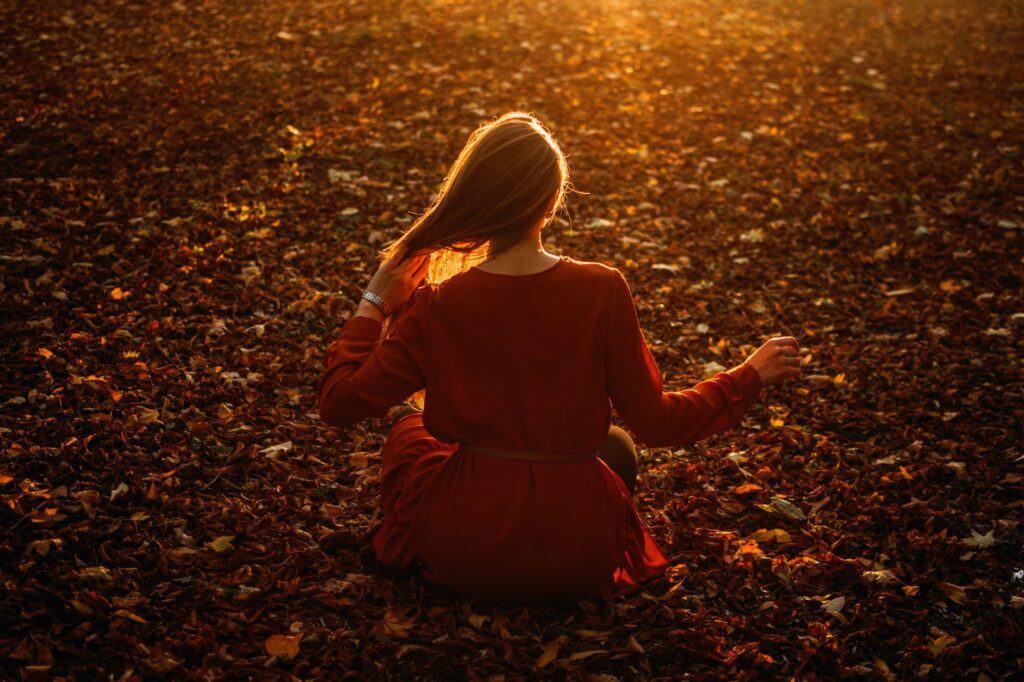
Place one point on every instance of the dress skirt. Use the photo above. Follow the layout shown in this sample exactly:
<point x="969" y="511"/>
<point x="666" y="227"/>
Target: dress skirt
<point x="501" y="529"/>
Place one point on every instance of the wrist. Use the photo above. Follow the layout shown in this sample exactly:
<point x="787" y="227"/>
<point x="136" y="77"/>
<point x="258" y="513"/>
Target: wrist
<point x="757" y="373"/>
<point x="367" y="309"/>
<point x="748" y="379"/>
<point x="377" y="301"/>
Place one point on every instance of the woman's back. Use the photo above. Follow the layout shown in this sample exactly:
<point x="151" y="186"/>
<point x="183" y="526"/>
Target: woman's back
<point x="528" y="363"/>
<point x="517" y="362"/>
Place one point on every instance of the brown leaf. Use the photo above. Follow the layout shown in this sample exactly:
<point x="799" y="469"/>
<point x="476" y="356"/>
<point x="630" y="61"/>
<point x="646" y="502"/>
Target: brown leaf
<point x="954" y="592"/>
<point x="283" y="646"/>
<point x="550" y="652"/>
<point x="222" y="543"/>
<point x="939" y="644"/>
<point x="881" y="577"/>
<point x="582" y="655"/>
<point x="160" y="661"/>
<point x="776" y="535"/>
<point x="396" y="623"/>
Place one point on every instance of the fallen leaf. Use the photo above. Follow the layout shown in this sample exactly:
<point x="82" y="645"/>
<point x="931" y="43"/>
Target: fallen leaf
<point x="980" y="541"/>
<point x="787" y="509"/>
<point x="395" y="624"/>
<point x="776" y="535"/>
<point x="283" y="646"/>
<point x="222" y="543"/>
<point x="834" y="605"/>
<point x="550" y="652"/>
<point x="583" y="655"/>
<point x="101" y="573"/>
<point x="954" y="592"/>
<point x="121" y="487"/>
<point x="881" y="577"/>
<point x="634" y="645"/>
<point x="276" y="449"/>
<point x="939" y="644"/>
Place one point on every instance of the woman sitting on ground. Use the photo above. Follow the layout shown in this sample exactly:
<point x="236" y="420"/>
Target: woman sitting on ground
<point x="511" y="483"/>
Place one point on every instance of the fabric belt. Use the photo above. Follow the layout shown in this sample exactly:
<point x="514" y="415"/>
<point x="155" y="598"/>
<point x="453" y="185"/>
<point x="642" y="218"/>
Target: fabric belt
<point x="530" y="456"/>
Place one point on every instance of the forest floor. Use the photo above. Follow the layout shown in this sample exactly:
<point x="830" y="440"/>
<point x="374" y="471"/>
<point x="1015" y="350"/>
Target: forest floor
<point x="193" y="196"/>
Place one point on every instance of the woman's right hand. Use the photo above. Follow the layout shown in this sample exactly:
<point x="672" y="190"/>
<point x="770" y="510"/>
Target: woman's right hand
<point x="395" y="281"/>
<point x="777" y="360"/>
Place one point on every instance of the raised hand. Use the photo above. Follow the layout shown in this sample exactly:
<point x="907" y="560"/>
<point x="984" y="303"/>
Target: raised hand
<point x="394" y="282"/>
<point x="777" y="360"/>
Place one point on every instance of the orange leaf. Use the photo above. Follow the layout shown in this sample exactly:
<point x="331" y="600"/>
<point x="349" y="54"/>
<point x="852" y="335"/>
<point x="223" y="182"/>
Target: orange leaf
<point x="395" y="624"/>
<point x="283" y="646"/>
<point x="550" y="652"/>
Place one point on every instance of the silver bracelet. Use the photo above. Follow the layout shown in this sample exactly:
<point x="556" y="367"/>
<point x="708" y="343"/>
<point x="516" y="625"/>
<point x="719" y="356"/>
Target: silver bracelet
<point x="377" y="301"/>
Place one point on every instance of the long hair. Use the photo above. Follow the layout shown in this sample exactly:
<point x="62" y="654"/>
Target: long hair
<point x="510" y="176"/>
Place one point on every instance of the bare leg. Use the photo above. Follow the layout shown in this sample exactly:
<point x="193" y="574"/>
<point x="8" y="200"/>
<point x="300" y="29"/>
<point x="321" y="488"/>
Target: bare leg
<point x="619" y="452"/>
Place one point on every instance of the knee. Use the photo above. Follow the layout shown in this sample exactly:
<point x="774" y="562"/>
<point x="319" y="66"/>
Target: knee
<point x="619" y="452"/>
<point x="619" y="442"/>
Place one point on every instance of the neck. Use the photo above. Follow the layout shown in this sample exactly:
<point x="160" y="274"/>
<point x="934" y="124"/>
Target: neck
<point x="526" y="257"/>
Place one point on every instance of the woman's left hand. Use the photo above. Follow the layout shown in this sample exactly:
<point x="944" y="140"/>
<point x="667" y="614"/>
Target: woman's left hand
<point x="395" y="281"/>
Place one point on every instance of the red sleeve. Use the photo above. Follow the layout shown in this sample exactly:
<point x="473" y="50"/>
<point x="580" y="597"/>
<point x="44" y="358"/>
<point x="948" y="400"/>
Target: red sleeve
<point x="364" y="375"/>
<point x="659" y="418"/>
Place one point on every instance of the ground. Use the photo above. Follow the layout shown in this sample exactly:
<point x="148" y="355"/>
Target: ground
<point x="194" y="195"/>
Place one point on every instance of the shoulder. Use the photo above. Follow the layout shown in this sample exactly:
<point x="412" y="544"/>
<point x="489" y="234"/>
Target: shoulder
<point x="604" y="277"/>
<point x="594" y="270"/>
<point x="434" y="297"/>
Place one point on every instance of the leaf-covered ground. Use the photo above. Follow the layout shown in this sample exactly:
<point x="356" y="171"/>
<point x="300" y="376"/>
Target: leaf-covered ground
<point x="192" y="198"/>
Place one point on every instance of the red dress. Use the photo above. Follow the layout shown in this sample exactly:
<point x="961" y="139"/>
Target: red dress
<point x="526" y="363"/>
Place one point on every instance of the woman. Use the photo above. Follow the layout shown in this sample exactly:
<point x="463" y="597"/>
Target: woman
<point x="511" y="484"/>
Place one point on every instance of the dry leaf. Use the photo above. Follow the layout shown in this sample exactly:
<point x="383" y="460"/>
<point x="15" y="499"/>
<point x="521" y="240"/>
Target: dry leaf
<point x="396" y="623"/>
<point x="788" y="509"/>
<point x="881" y="577"/>
<point x="954" y="592"/>
<point x="980" y="541"/>
<point x="550" y="652"/>
<point x="222" y="543"/>
<point x="283" y="646"/>
<point x="274" y="450"/>
<point x="834" y="605"/>
<point x="939" y="644"/>
<point x="634" y="645"/>
<point x="776" y="535"/>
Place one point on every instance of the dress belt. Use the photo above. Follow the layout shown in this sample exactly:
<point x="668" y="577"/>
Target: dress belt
<point x="530" y="456"/>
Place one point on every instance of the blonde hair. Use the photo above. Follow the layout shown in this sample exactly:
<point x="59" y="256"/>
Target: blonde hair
<point x="510" y="176"/>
